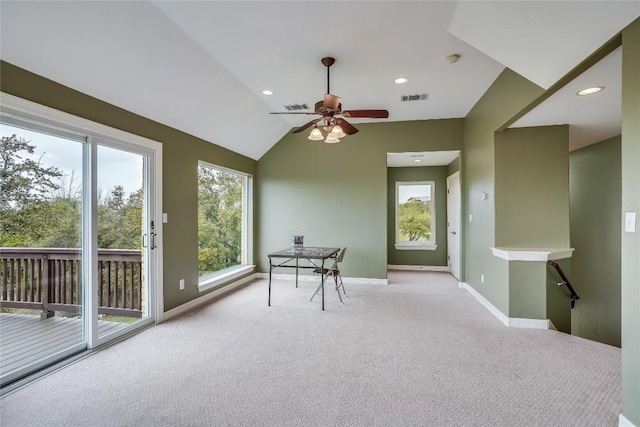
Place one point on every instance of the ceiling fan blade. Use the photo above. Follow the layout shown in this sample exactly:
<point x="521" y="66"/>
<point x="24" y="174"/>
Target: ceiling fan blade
<point x="347" y="127"/>
<point x="292" y="112"/>
<point x="331" y="102"/>
<point x="307" y="125"/>
<point x="371" y="114"/>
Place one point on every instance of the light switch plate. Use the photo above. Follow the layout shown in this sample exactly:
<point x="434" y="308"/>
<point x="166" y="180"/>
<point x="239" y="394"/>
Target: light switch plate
<point x="630" y="222"/>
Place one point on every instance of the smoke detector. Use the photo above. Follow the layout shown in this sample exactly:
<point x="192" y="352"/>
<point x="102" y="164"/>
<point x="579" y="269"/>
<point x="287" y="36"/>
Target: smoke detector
<point x="453" y="58"/>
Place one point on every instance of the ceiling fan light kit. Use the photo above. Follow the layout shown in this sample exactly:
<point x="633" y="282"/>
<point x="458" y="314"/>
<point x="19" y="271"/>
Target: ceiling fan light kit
<point x="329" y="110"/>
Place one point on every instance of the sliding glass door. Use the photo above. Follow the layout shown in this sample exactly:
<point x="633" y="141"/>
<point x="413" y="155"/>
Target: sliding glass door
<point x="124" y="239"/>
<point x="78" y="237"/>
<point x="41" y="256"/>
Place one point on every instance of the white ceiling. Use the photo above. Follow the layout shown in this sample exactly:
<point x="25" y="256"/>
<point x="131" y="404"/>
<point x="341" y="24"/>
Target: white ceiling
<point x="200" y="66"/>
<point x="591" y="118"/>
<point x="425" y="158"/>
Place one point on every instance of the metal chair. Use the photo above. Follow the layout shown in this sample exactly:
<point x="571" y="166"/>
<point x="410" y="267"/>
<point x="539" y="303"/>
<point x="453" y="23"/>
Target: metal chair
<point x="333" y="271"/>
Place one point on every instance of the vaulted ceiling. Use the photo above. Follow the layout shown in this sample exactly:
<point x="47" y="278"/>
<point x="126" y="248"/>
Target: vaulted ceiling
<point x="201" y="66"/>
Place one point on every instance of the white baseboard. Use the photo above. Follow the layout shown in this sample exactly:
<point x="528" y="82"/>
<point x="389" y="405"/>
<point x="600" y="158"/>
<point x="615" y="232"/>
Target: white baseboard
<point x="418" y="267"/>
<point x="314" y="278"/>
<point x="515" y="322"/>
<point x="206" y="297"/>
<point x="624" y="422"/>
<point x="511" y="322"/>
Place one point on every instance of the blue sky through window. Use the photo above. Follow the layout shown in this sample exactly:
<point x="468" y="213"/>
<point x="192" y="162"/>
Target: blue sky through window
<point x="115" y="167"/>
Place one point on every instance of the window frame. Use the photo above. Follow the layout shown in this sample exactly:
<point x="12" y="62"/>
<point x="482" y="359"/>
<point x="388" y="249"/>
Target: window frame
<point x="402" y="245"/>
<point x="247" y="265"/>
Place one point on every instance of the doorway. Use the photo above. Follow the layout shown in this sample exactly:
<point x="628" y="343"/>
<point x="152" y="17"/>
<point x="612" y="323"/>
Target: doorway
<point x="79" y="246"/>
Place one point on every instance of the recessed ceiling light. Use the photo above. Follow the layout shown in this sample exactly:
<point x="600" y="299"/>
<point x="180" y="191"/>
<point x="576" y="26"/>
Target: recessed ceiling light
<point x="400" y="80"/>
<point x="590" y="90"/>
<point x="267" y="92"/>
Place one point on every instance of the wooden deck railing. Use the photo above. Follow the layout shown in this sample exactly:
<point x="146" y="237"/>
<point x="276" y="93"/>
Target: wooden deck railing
<point x="49" y="279"/>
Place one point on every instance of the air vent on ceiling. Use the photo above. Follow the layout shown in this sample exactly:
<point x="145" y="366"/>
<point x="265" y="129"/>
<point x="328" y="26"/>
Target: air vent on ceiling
<point x="416" y="97"/>
<point x="296" y="107"/>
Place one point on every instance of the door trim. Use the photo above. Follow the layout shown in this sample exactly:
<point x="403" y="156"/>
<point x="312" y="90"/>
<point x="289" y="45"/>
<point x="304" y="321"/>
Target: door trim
<point x="455" y="175"/>
<point x="13" y="106"/>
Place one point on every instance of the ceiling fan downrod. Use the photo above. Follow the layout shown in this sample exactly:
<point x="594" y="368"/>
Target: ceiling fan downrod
<point x="328" y="61"/>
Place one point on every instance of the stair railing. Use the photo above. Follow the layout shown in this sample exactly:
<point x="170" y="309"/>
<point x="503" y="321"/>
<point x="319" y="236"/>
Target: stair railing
<point x="565" y="281"/>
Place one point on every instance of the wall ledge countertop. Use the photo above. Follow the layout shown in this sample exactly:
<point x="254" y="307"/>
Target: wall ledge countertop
<point x="531" y="254"/>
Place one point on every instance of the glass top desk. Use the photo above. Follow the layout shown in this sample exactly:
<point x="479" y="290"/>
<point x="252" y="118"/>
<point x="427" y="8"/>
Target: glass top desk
<point x="315" y="255"/>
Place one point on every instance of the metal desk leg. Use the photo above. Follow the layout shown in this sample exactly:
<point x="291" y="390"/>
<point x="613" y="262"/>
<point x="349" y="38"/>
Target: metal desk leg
<point x="322" y="277"/>
<point x="296" y="272"/>
<point x="270" y="269"/>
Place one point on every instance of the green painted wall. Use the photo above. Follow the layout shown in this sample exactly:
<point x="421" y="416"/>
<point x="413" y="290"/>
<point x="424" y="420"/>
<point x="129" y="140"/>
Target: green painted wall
<point x="631" y="241"/>
<point x="534" y="293"/>
<point x="532" y="211"/>
<point x="453" y="167"/>
<point x="437" y="174"/>
<point x="181" y="153"/>
<point x="532" y="187"/>
<point x="506" y="96"/>
<point x="336" y="194"/>
<point x="527" y="282"/>
<point x="596" y="192"/>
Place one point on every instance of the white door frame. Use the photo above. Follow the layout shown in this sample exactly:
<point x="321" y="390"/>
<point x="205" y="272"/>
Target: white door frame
<point x="454" y="220"/>
<point x="32" y="112"/>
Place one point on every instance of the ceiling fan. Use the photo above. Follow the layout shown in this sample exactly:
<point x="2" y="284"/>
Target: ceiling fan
<point x="330" y="110"/>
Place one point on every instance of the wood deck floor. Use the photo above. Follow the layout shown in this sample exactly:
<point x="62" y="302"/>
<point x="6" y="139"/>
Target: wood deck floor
<point x="25" y="339"/>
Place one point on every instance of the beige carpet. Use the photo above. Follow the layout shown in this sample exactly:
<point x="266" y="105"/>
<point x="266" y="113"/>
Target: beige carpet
<point x="419" y="351"/>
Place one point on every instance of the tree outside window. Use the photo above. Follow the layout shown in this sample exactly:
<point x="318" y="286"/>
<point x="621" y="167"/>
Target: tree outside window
<point x="414" y="213"/>
<point x="41" y="204"/>
<point x="221" y="205"/>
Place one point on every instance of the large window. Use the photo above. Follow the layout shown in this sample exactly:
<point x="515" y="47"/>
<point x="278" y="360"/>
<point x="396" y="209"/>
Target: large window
<point x="224" y="199"/>
<point x="415" y="215"/>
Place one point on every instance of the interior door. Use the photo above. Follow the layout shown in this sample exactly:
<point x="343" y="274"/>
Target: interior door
<point x="453" y="223"/>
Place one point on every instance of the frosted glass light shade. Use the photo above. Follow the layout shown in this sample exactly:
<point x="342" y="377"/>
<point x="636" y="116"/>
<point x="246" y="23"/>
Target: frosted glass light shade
<point x="316" y="135"/>
<point x="331" y="140"/>
<point x="337" y="132"/>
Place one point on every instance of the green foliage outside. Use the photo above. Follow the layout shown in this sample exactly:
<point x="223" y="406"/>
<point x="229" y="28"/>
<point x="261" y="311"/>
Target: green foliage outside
<point x="415" y="221"/>
<point x="219" y="220"/>
<point x="42" y="207"/>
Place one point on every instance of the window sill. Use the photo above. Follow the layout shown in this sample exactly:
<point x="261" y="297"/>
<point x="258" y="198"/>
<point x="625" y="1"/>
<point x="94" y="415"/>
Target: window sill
<point x="229" y="276"/>
<point x="415" y="247"/>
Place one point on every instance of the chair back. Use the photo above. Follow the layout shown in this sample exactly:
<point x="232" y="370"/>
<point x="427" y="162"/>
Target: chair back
<point x="341" y="256"/>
